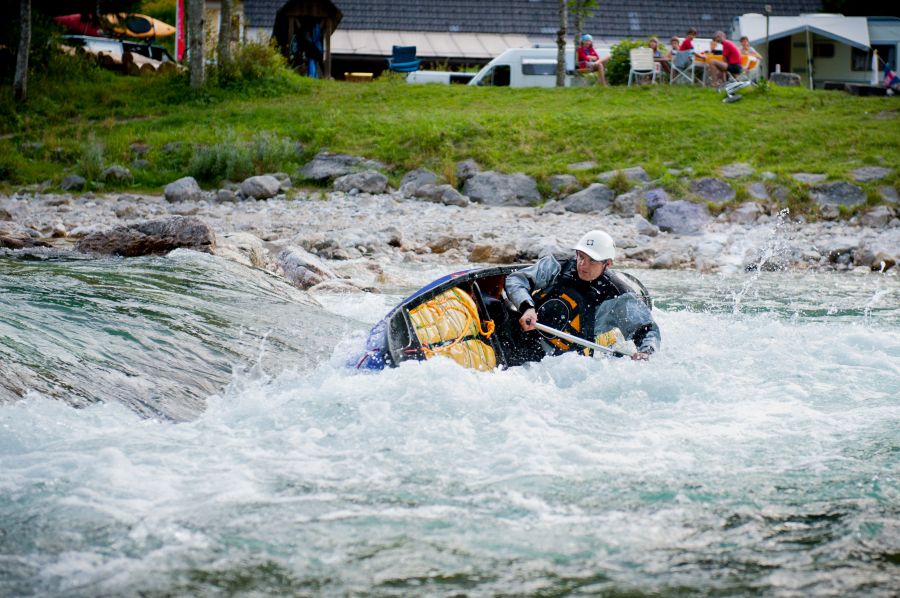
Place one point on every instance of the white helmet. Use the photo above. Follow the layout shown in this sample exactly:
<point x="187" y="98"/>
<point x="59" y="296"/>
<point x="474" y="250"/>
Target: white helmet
<point x="598" y="245"/>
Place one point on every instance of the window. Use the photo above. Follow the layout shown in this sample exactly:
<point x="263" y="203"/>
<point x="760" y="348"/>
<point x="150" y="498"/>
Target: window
<point x="823" y="50"/>
<point x="860" y="60"/>
<point x="539" y="67"/>
<point x="496" y="77"/>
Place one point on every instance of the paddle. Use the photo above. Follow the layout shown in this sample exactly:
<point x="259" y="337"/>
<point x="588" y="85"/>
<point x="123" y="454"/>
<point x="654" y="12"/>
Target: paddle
<point x="579" y="341"/>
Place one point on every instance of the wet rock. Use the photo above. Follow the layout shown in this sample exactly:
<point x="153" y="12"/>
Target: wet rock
<point x="643" y="227"/>
<point x="665" y="261"/>
<point x="243" y="248"/>
<point x="681" y="217"/>
<point x="736" y="170"/>
<point x="73" y="182"/>
<point x="184" y="189"/>
<point x="809" y="178"/>
<point x="584" y="165"/>
<point x="869" y="173"/>
<point x="327" y="165"/>
<point x="16" y="236"/>
<point x="713" y="190"/>
<point x="839" y="193"/>
<point x="834" y="248"/>
<point x="746" y="213"/>
<point x="151" y="237"/>
<point x="636" y="174"/>
<point x="443" y="194"/>
<point x="882" y="262"/>
<point x="595" y="198"/>
<point x="562" y="184"/>
<point x="414" y="179"/>
<point x="116" y="174"/>
<point x="496" y="189"/>
<point x="368" y="181"/>
<point x="494" y="254"/>
<point x="59" y="231"/>
<point x="465" y="170"/>
<point x="260" y="187"/>
<point x="877" y="217"/>
<point x="337" y="287"/>
<point x="302" y="268"/>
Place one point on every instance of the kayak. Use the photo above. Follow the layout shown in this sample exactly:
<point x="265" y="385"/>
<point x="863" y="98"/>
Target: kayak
<point x="463" y="316"/>
<point x="119" y="25"/>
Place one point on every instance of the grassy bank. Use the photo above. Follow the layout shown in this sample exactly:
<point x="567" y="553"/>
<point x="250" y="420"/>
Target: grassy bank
<point x="79" y="119"/>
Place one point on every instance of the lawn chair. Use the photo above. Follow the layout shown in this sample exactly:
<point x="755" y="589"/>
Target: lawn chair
<point x="682" y="70"/>
<point x="403" y="59"/>
<point x="745" y="78"/>
<point x="642" y="65"/>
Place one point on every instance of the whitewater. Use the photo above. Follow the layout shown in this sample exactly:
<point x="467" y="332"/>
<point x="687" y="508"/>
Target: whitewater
<point x="184" y="425"/>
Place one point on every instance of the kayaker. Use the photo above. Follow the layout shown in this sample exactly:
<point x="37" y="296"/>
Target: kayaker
<point x="581" y="296"/>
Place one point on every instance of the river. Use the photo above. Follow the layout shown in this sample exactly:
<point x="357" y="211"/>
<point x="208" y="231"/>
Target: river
<point x="189" y="428"/>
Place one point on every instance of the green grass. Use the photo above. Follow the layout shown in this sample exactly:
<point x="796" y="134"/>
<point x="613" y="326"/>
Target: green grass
<point x="537" y="131"/>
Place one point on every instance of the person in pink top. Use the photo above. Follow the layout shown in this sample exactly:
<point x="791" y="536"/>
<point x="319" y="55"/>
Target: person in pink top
<point x="588" y="60"/>
<point x="688" y="42"/>
<point x="730" y="62"/>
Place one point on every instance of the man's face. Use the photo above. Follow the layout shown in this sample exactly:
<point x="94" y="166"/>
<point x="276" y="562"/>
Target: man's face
<point x="588" y="268"/>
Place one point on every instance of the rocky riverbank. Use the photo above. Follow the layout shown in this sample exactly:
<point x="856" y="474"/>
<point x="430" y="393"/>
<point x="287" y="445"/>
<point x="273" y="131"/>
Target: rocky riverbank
<point x="344" y="238"/>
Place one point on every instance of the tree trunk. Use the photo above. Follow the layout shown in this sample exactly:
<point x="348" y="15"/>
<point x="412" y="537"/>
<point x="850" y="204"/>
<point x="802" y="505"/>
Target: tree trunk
<point x="225" y="33"/>
<point x="579" y="24"/>
<point x="195" y="43"/>
<point x="20" y="83"/>
<point x="561" y="44"/>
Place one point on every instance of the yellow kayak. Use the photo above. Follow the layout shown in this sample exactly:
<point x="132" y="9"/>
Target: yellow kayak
<point x="138" y="26"/>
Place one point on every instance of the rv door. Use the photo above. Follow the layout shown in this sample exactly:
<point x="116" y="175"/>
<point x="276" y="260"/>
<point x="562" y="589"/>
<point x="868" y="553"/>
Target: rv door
<point x="497" y="75"/>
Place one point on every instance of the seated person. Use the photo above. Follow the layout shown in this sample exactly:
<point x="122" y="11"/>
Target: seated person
<point x="730" y="61"/>
<point x="674" y="45"/>
<point x="688" y="43"/>
<point x="660" y="56"/>
<point x="587" y="59"/>
<point x="747" y="50"/>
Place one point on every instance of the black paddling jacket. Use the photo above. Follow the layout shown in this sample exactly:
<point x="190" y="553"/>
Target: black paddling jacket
<point x="584" y="309"/>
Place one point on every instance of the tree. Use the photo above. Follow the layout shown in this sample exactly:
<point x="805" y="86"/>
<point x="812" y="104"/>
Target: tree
<point x="580" y="10"/>
<point x="561" y="43"/>
<point x="225" y="33"/>
<point x="195" y="43"/>
<point x="20" y="83"/>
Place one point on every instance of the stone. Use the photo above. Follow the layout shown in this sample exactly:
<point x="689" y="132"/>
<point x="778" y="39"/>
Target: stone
<point x="681" y="217"/>
<point x="16" y="236"/>
<point x="552" y="207"/>
<point x="445" y="243"/>
<point x="870" y="173"/>
<point x="642" y="226"/>
<point x="59" y="231"/>
<point x="184" y="189"/>
<point x="73" y="182"/>
<point x="496" y="189"/>
<point x="888" y="194"/>
<point x="302" y="268"/>
<point x="242" y="248"/>
<point x="736" y="170"/>
<point x="641" y="254"/>
<point x="746" y="213"/>
<point x="840" y="193"/>
<point x="561" y="184"/>
<point x="758" y="191"/>
<point x="595" y="198"/>
<point x="628" y="203"/>
<point x="260" y="187"/>
<point x="5" y="215"/>
<point x="414" y="179"/>
<point x="369" y="181"/>
<point x="494" y="254"/>
<point x="337" y="287"/>
<point x="877" y="217"/>
<point x="809" y="178"/>
<point x="327" y="165"/>
<point x="768" y="175"/>
<point x="785" y="79"/>
<point x="226" y="195"/>
<point x="32" y="149"/>
<point x="585" y="165"/>
<point x="655" y="198"/>
<point x="116" y="174"/>
<point x="882" y="262"/>
<point x="151" y="237"/>
<point x="444" y="194"/>
<point x="714" y="190"/>
<point x="466" y="169"/>
<point x="140" y="164"/>
<point x="636" y="174"/>
<point x="138" y="149"/>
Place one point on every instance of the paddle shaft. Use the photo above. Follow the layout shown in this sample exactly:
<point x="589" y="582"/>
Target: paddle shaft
<point x="578" y="341"/>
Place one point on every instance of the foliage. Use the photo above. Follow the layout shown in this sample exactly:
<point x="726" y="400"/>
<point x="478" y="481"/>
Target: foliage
<point x="619" y="183"/>
<point x="620" y="61"/>
<point x="254" y="66"/>
<point x="91" y="164"/>
<point x="235" y="160"/>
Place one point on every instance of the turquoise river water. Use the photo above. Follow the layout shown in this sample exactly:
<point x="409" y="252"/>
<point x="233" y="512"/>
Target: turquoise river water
<point x="188" y="429"/>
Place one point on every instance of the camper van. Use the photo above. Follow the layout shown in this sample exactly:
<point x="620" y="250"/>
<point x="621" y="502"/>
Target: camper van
<point x="515" y="67"/>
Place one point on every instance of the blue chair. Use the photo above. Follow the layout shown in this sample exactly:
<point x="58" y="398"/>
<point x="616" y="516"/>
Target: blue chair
<point x="403" y="59"/>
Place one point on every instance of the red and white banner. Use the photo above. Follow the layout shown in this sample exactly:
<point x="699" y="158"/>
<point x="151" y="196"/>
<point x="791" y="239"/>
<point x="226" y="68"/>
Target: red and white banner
<point x="179" y="30"/>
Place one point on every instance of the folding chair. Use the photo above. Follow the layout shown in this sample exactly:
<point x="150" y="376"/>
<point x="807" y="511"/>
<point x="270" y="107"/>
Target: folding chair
<point x="682" y="70"/>
<point x="403" y="59"/>
<point x="735" y="82"/>
<point x="642" y="65"/>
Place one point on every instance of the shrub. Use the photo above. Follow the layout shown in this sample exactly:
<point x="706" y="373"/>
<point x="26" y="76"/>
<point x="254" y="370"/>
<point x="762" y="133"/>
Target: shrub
<point x="235" y="160"/>
<point x="620" y="61"/>
<point x="619" y="183"/>
<point x="90" y="164"/>
<point x="253" y="63"/>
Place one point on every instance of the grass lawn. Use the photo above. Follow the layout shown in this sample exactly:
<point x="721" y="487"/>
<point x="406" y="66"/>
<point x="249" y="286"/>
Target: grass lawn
<point x="79" y="119"/>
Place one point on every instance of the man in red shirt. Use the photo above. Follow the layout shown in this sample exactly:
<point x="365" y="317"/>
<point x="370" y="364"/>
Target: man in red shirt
<point x="730" y="62"/>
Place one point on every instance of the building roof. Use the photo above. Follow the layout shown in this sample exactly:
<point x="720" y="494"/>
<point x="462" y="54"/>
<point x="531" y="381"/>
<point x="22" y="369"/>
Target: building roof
<point x="853" y="31"/>
<point x="613" y="19"/>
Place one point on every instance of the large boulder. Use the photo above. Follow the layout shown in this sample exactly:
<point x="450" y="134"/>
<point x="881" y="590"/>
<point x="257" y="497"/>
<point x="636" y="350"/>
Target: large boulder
<point x="494" y="254"/>
<point x="327" y="165"/>
<point x="746" y="213"/>
<point x="242" y="248"/>
<point x="368" y="181"/>
<point x="681" y="217"/>
<point x="16" y="236"/>
<point x="466" y="169"/>
<point x="877" y="217"/>
<point x="635" y="174"/>
<point x="840" y="193"/>
<point x="497" y="189"/>
<point x="151" y="237"/>
<point x="302" y="268"/>
<point x="184" y="189"/>
<point x="116" y="174"/>
<point x="870" y="173"/>
<point x="261" y="187"/>
<point x="73" y="182"/>
<point x="561" y="184"/>
<point x="444" y="194"/>
<point x="714" y="190"/>
<point x="414" y="179"/>
<point x="595" y="198"/>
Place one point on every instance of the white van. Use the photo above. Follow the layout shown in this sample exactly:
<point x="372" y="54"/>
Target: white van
<point x="515" y="67"/>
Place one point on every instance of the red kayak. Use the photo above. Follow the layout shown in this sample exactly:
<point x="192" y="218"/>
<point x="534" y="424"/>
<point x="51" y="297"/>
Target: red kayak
<point x="81" y="24"/>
